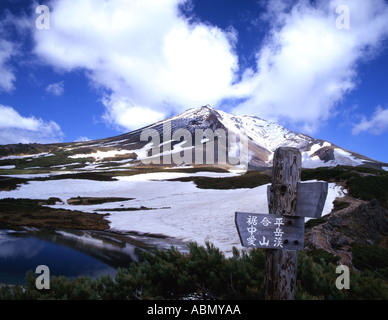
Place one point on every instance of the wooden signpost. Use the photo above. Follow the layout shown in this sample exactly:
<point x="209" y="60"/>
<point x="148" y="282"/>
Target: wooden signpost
<point x="282" y="231"/>
<point x="270" y="231"/>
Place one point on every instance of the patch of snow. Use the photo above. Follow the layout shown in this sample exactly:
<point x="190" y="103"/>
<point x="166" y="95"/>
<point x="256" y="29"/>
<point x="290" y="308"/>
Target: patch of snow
<point x="30" y="176"/>
<point x="314" y="148"/>
<point x="176" y="149"/>
<point x="334" y="192"/>
<point x="311" y="162"/>
<point x="66" y="165"/>
<point x="85" y="237"/>
<point x="341" y="157"/>
<point x="175" y="175"/>
<point x="14" y="157"/>
<point x="179" y="167"/>
<point x="166" y="142"/>
<point x="269" y="135"/>
<point x="89" y="166"/>
<point x="7" y="167"/>
<point x="113" y="143"/>
<point x="185" y="212"/>
<point x="38" y="155"/>
<point x="101" y="154"/>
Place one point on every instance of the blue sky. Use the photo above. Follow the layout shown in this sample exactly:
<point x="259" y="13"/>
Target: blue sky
<point x="107" y="67"/>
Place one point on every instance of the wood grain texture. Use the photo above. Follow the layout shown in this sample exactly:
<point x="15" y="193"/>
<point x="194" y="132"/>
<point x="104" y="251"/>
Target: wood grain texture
<point x="281" y="265"/>
<point x="310" y="199"/>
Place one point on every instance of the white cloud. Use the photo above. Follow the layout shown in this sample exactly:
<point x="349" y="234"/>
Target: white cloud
<point x="307" y="65"/>
<point x="56" y="89"/>
<point x="9" y="48"/>
<point x="150" y="60"/>
<point x="7" y="78"/>
<point x="122" y="112"/>
<point x="377" y="125"/>
<point x="82" y="139"/>
<point x="15" y="128"/>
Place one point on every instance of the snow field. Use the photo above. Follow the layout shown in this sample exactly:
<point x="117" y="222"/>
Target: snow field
<point x="181" y="209"/>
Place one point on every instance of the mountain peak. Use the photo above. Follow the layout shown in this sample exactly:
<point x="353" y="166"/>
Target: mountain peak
<point x="202" y="110"/>
<point x="205" y="115"/>
<point x="266" y="136"/>
<point x="208" y="106"/>
<point x="263" y="138"/>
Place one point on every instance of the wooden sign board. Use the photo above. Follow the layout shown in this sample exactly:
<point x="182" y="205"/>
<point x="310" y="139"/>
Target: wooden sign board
<point x="270" y="231"/>
<point x="311" y="198"/>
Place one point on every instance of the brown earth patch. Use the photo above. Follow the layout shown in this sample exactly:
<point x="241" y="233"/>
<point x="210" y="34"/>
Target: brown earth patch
<point x="33" y="213"/>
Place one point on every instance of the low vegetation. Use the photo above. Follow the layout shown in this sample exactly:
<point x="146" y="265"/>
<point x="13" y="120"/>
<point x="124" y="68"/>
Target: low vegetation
<point x="362" y="183"/>
<point x="82" y="201"/>
<point x="25" y="149"/>
<point x="10" y="183"/>
<point x="34" y="213"/>
<point x="205" y="273"/>
<point x="250" y="179"/>
<point x="373" y="258"/>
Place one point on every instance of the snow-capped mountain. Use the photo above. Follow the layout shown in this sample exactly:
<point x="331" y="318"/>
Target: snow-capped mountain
<point x="202" y="136"/>
<point x="263" y="138"/>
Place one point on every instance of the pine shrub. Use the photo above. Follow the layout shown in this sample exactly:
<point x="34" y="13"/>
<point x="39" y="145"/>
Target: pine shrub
<point x="204" y="273"/>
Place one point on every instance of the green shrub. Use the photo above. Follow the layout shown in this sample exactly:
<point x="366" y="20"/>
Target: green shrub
<point x="250" y="179"/>
<point x="372" y="185"/>
<point x="369" y="188"/>
<point x="204" y="273"/>
<point x="315" y="222"/>
<point x="368" y="257"/>
<point x="323" y="257"/>
<point x="340" y="205"/>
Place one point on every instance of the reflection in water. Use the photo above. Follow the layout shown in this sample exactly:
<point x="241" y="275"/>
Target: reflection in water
<point x="11" y="248"/>
<point x="71" y="253"/>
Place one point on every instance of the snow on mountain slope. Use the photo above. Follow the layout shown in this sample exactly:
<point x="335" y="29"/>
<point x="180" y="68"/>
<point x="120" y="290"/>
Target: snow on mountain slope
<point x="261" y="139"/>
<point x="265" y="137"/>
<point x="269" y="135"/>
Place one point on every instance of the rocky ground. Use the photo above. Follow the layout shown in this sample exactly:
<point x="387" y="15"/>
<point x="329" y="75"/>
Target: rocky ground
<point x="351" y="222"/>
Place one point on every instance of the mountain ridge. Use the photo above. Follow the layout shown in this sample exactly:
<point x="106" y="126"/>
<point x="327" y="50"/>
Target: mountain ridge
<point x="263" y="138"/>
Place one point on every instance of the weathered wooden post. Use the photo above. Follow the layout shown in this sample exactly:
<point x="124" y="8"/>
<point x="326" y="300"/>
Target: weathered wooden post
<point x="281" y="265"/>
<point x="282" y="231"/>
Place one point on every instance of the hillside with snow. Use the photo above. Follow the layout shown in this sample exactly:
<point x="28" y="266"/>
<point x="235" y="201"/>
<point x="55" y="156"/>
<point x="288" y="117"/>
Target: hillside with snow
<point x="263" y="138"/>
<point x="116" y="179"/>
<point x="175" y="141"/>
